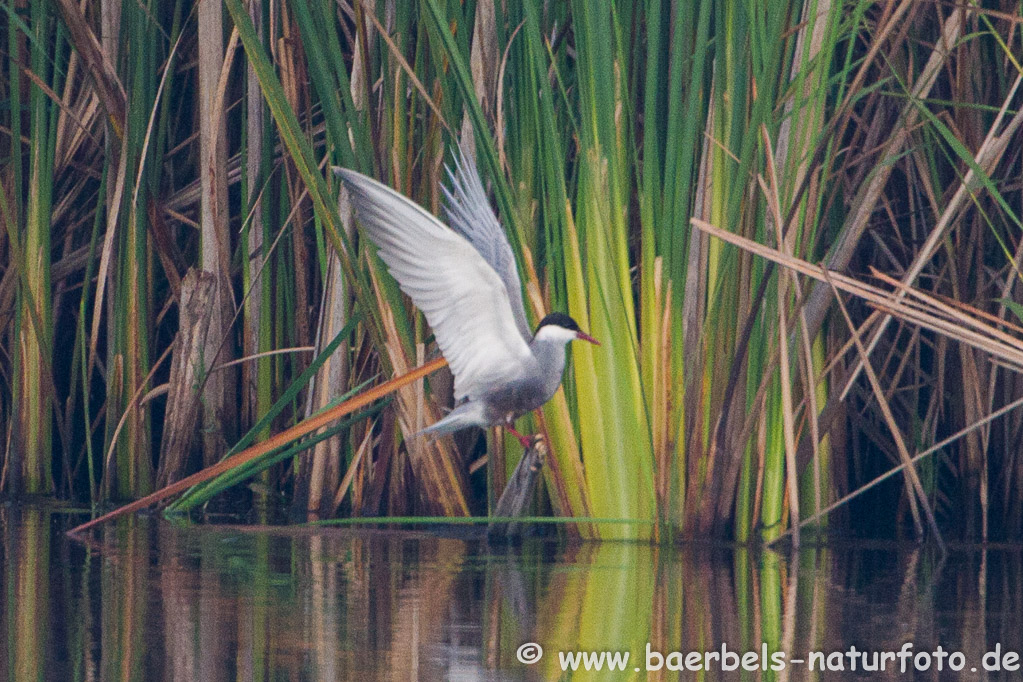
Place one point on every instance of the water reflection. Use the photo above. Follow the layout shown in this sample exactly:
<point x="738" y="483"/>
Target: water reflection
<point x="151" y="600"/>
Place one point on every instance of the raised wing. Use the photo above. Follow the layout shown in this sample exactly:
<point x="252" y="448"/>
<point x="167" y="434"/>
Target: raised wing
<point x="470" y="215"/>
<point x="464" y="300"/>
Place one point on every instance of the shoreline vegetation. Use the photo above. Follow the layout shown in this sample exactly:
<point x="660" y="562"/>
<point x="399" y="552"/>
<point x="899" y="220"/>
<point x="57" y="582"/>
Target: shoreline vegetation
<point x="795" y="228"/>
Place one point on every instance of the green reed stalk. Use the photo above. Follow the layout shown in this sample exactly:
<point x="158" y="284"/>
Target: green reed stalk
<point x="257" y="272"/>
<point x="33" y="406"/>
<point x="129" y="347"/>
<point x="82" y="341"/>
<point x="617" y="447"/>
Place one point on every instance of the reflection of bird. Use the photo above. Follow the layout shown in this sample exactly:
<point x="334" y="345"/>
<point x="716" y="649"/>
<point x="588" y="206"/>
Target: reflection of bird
<point x="465" y="282"/>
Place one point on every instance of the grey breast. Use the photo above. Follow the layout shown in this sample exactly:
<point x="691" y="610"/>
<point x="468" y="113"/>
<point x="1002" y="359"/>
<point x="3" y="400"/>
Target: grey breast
<point x="536" y="385"/>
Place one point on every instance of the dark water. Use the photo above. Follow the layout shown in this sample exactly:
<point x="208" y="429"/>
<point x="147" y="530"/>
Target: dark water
<point x="146" y="600"/>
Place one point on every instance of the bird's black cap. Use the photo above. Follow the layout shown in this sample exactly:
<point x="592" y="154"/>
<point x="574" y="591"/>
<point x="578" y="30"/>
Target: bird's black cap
<point x="559" y="319"/>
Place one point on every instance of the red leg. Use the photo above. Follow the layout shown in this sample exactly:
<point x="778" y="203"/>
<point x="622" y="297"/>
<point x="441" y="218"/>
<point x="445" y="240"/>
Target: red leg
<point x="525" y="440"/>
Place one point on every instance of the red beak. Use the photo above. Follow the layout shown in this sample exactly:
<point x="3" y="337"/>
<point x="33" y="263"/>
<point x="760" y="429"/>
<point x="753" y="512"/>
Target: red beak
<point x="582" y="336"/>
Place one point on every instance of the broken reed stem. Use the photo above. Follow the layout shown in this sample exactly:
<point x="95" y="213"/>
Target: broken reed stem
<point x="272" y="443"/>
<point x="518" y="493"/>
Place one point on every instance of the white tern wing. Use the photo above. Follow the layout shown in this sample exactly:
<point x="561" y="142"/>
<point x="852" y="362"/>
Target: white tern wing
<point x="469" y="214"/>
<point x="463" y="298"/>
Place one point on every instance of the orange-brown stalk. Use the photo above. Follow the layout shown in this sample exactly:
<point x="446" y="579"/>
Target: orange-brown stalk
<point x="272" y="443"/>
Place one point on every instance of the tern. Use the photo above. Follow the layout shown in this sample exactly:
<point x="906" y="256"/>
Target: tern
<point x="465" y="282"/>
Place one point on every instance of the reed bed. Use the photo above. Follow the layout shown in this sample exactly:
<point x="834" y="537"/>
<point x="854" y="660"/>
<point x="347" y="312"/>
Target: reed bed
<point x="794" y="226"/>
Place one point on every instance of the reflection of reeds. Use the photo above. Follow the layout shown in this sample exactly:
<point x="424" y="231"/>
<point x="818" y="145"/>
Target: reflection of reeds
<point x="154" y="600"/>
<point x="27" y="570"/>
<point x="125" y="603"/>
<point x="724" y="401"/>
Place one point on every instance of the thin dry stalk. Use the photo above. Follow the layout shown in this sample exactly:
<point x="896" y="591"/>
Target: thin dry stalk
<point x="217" y="411"/>
<point x="893" y="427"/>
<point x="924" y="310"/>
<point x="988" y="156"/>
<point x="870" y="192"/>
<point x="281" y="439"/>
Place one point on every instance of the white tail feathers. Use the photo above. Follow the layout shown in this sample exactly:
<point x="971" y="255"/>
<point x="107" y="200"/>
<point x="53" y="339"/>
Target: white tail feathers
<point x="462" y="417"/>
